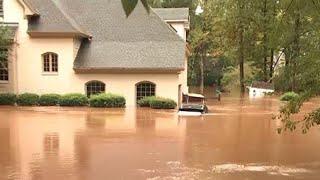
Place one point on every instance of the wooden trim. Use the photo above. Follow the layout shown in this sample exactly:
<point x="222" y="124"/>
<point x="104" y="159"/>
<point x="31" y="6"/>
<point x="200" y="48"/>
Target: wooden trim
<point x="57" y="34"/>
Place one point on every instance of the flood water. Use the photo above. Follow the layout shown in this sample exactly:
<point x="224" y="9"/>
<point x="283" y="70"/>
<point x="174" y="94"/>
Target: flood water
<point x="237" y="140"/>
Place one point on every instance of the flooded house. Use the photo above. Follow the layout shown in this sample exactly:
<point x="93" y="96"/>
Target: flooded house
<point x="76" y="46"/>
<point x="259" y="89"/>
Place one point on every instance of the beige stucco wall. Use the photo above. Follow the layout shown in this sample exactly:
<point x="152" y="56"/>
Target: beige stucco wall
<point x="180" y="28"/>
<point x="30" y="77"/>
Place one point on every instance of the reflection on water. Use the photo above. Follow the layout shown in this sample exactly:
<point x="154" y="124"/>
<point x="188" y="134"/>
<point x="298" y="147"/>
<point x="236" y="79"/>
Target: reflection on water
<point x="236" y="140"/>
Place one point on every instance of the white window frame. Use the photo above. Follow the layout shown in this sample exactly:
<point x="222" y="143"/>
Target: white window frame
<point x="102" y="84"/>
<point x="145" y="82"/>
<point x="50" y="72"/>
<point x="8" y="64"/>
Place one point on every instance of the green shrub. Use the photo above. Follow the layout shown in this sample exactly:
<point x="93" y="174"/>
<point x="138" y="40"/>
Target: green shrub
<point x="162" y="103"/>
<point x="49" y="99"/>
<point x="28" y="99"/>
<point x="73" y="99"/>
<point x="288" y="96"/>
<point x="145" y="102"/>
<point x="107" y="100"/>
<point x="8" y="99"/>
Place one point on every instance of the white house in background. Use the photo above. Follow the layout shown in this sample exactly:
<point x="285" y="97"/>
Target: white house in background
<point x="260" y="89"/>
<point x="64" y="46"/>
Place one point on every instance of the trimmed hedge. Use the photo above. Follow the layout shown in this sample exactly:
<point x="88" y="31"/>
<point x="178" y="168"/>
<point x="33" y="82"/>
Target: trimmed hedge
<point x="288" y="96"/>
<point x="162" y="103"/>
<point x="107" y="100"/>
<point x="73" y="99"/>
<point x="145" y="102"/>
<point x="157" y="103"/>
<point x="49" y="99"/>
<point x="28" y="99"/>
<point x="8" y="99"/>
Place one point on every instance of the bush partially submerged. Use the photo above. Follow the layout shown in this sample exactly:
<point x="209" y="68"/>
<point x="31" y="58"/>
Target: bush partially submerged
<point x="28" y="99"/>
<point x="73" y="99"/>
<point x="162" y="103"/>
<point x="289" y="96"/>
<point x="157" y="103"/>
<point x="145" y="102"/>
<point x="8" y="99"/>
<point x="107" y="100"/>
<point x="49" y="99"/>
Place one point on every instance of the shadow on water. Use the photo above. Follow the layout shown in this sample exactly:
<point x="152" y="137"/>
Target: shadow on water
<point x="237" y="140"/>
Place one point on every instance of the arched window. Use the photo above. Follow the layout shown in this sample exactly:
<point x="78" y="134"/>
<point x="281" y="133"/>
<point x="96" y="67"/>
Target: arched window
<point x="95" y="87"/>
<point x="145" y="89"/>
<point x="50" y="62"/>
<point x="4" y="66"/>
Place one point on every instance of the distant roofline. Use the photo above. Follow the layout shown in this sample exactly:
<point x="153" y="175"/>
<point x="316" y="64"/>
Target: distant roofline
<point x="166" y="24"/>
<point x="171" y="9"/>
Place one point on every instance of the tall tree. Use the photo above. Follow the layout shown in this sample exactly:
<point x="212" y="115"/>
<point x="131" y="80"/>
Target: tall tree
<point x="301" y="21"/>
<point x="231" y="20"/>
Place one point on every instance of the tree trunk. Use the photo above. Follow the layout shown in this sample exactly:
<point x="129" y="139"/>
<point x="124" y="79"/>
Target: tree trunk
<point x="287" y="56"/>
<point x="265" y="42"/>
<point x="241" y="60"/>
<point x="201" y="74"/>
<point x="265" y="71"/>
<point x="296" y="52"/>
<point x="241" y="45"/>
<point x="271" y="70"/>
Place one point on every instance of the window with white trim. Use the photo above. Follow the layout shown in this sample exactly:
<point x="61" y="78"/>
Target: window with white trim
<point x="4" y="72"/>
<point x="50" y="62"/>
<point x="145" y="89"/>
<point x="1" y="8"/>
<point x="95" y="87"/>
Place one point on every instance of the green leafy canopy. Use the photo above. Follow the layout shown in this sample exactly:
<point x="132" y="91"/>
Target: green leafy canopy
<point x="130" y="5"/>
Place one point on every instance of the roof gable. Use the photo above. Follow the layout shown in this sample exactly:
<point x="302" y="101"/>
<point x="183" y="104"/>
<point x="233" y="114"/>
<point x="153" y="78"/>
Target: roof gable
<point x="51" y="20"/>
<point x="141" y="41"/>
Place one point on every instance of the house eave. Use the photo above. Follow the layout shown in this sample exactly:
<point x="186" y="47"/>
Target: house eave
<point x="38" y="34"/>
<point x="28" y="9"/>
<point x="117" y="70"/>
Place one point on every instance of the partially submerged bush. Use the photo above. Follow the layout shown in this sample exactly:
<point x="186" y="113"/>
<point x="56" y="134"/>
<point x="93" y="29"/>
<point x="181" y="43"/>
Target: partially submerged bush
<point x="145" y="102"/>
<point x="28" y="99"/>
<point x="288" y="96"/>
<point x="73" y="99"/>
<point x="8" y="99"/>
<point x="162" y="103"/>
<point x="107" y="100"/>
<point x="49" y="99"/>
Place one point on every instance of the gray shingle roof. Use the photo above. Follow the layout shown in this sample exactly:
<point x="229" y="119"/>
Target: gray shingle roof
<point x="141" y="41"/>
<point x="52" y="19"/>
<point x="173" y="14"/>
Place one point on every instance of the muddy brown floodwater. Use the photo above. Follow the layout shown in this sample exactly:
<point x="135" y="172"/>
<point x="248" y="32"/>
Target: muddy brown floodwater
<point x="237" y="140"/>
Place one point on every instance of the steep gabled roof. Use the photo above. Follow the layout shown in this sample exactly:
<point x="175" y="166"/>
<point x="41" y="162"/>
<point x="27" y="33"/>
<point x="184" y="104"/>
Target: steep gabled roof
<point x="52" y="19"/>
<point x="141" y="41"/>
<point x="173" y="14"/>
